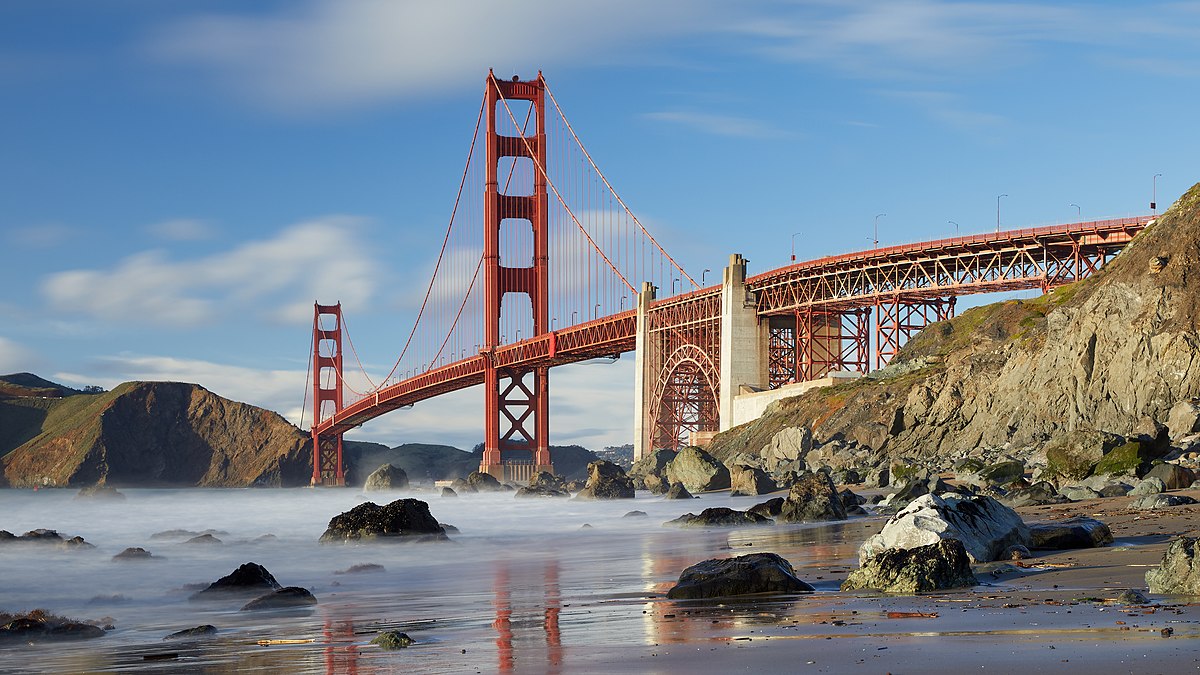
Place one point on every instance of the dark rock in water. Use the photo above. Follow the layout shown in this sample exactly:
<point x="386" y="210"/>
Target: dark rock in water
<point x="743" y="575"/>
<point x="1132" y="596"/>
<point x="264" y="538"/>
<point x="386" y="477"/>
<point x="39" y="626"/>
<point x="450" y="529"/>
<point x="449" y="492"/>
<point x="575" y="485"/>
<point x="677" y="491"/>
<point x="1077" y="532"/>
<point x="1173" y="476"/>
<point x="401" y="520"/>
<point x="635" y="514"/>
<point x="812" y="498"/>
<point x="461" y="486"/>
<point x="545" y="479"/>
<point x="43" y="536"/>
<point x="719" y="516"/>
<point x="1178" y="573"/>
<point x="100" y="493"/>
<point x="933" y="567"/>
<point x="585" y="526"/>
<point x="135" y="553"/>
<point x="697" y="470"/>
<point x="484" y="482"/>
<point x="540" y="491"/>
<point x="606" y="481"/>
<point x="284" y="598"/>
<point x="749" y="481"/>
<point x="248" y="579"/>
<point x="769" y="508"/>
<point x="1037" y="494"/>
<point x="204" y="539"/>
<point x="392" y="640"/>
<point x="361" y="569"/>
<point x="1160" y="501"/>
<point x="198" y="631"/>
<point x="185" y="534"/>
<point x="852" y="503"/>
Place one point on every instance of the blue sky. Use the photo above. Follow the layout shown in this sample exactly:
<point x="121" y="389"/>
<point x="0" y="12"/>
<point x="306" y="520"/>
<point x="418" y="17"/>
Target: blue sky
<point x="180" y="181"/>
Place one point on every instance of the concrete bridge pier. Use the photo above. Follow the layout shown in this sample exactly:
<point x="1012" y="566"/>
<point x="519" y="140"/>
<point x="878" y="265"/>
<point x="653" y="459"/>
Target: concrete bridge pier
<point x="743" y="340"/>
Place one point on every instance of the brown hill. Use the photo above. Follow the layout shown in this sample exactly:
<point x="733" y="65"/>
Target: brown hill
<point x="149" y="434"/>
<point x="29" y="385"/>
<point x="1113" y="352"/>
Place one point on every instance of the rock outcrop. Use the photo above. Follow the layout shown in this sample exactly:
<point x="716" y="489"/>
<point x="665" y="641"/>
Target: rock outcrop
<point x="401" y="520"/>
<point x="248" y="579"/>
<point x="289" y="597"/>
<point x="749" y="481"/>
<point x="606" y="481"/>
<point x="386" y="477"/>
<point x="984" y="526"/>
<point x="921" y="569"/>
<point x="697" y="470"/>
<point x="1178" y="573"/>
<point x="743" y="575"/>
<point x="719" y="516"/>
<point x="812" y="498"/>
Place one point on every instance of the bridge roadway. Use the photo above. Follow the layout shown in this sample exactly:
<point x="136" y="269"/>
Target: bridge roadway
<point x="983" y="263"/>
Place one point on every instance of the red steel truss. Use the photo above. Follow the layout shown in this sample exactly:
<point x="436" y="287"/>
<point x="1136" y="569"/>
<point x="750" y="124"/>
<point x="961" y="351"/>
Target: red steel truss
<point x="684" y="351"/>
<point x="898" y="320"/>
<point x="327" y="388"/>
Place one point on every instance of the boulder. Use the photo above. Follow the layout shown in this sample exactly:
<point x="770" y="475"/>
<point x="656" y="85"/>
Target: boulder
<point x="878" y="477"/>
<point x="401" y="520"/>
<point x="284" y="598"/>
<point x="769" y="508"/>
<point x="545" y="479"/>
<point x="1002" y="473"/>
<point x="656" y="484"/>
<point x="697" y="470"/>
<point x="249" y="578"/>
<point x="540" y="491"/>
<point x="1178" y="573"/>
<point x="749" y="481"/>
<point x="38" y="626"/>
<point x="984" y="526"/>
<point x="1115" y="489"/>
<point x="449" y="492"/>
<point x="852" y="503"/>
<point x="787" y="448"/>
<point x="484" y="482"/>
<point x="1148" y="486"/>
<point x="635" y="514"/>
<point x="362" y="568"/>
<point x="1041" y="492"/>
<point x="743" y="575"/>
<point x="461" y="486"/>
<point x="204" y="539"/>
<point x="1173" y="476"/>
<point x="1184" y="418"/>
<point x="1069" y="533"/>
<point x="386" y="477"/>
<point x="1159" y="501"/>
<point x="1073" y="455"/>
<point x="677" y="491"/>
<point x="198" y="631"/>
<point x="845" y="477"/>
<point x="916" y="487"/>
<point x="1126" y="460"/>
<point x="933" y="567"/>
<point x="812" y="498"/>
<point x="1078" y="493"/>
<point x="651" y="466"/>
<point x="100" y="493"/>
<point x="606" y="481"/>
<point x="134" y="553"/>
<point x="719" y="516"/>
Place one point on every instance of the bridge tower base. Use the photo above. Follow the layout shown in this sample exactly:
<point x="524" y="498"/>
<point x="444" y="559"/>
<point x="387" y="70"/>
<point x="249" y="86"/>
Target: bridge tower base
<point x="327" y="388"/>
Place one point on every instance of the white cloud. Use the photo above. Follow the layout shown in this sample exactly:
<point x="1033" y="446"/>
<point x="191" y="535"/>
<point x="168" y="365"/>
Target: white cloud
<point x="15" y="357"/>
<point x="47" y="235"/>
<point x="721" y="125"/>
<point x="181" y="229"/>
<point x="335" y="53"/>
<point x="276" y="279"/>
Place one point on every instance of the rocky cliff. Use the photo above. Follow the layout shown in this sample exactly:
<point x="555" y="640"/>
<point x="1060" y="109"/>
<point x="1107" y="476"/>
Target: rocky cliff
<point x="149" y="434"/>
<point x="1114" y="352"/>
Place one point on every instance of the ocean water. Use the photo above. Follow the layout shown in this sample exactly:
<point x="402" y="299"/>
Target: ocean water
<point x="522" y="587"/>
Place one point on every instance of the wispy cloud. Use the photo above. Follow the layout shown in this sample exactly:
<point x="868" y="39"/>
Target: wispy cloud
<point x="319" y="258"/>
<point x="721" y="125"/>
<point x="949" y="109"/>
<point x="181" y="229"/>
<point x="330" y="53"/>
<point x="15" y="357"/>
<point x="47" y="235"/>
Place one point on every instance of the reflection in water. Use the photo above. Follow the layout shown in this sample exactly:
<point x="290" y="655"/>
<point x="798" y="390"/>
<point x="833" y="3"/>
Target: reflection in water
<point x="341" y="652"/>
<point x="550" y="606"/>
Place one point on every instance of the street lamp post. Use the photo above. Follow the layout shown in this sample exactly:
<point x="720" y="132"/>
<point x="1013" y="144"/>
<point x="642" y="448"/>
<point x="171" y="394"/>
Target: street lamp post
<point x="1078" y="212"/>
<point x="877" y="217"/>
<point x="1154" y="194"/>
<point x="955" y="227"/>
<point x="702" y="274"/>
<point x="794" y="246"/>
<point x="673" y="282"/>
<point x="998" y="211"/>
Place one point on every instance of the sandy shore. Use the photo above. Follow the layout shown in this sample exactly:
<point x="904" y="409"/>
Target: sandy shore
<point x="1056" y="612"/>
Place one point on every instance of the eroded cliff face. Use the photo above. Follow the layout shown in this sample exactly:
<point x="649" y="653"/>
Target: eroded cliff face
<point x="1108" y="353"/>
<point x="160" y="434"/>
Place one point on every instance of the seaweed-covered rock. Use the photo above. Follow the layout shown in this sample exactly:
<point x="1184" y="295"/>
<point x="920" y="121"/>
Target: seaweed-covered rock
<point x="812" y="498"/>
<point x="386" y="477"/>
<point x="984" y="526"/>
<point x="1178" y="573"/>
<point x="606" y="481"/>
<point x="1002" y="473"/>
<point x="392" y="640"/>
<point x="1069" y="533"/>
<point x="719" y="516"/>
<point x="290" y="597"/>
<point x="743" y="575"/>
<point x="1074" y="454"/>
<point x="401" y="520"/>
<point x="697" y="470"/>
<point x="40" y="626"/>
<point x="196" y="632"/>
<point x="921" y="569"/>
<point x="1128" y="459"/>
<point x="249" y="578"/>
